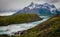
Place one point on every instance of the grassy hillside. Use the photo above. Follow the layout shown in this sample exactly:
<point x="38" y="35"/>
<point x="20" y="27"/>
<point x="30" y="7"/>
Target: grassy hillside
<point x="49" y="28"/>
<point x="17" y="19"/>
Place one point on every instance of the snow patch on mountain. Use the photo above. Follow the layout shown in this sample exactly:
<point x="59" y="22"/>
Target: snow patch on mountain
<point x="35" y="8"/>
<point x="45" y="5"/>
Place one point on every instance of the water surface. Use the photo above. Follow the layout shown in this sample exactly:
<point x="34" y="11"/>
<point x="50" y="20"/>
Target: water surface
<point x="11" y="29"/>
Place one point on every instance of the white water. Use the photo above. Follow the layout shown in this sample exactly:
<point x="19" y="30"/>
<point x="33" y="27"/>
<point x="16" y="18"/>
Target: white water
<point x="11" y="29"/>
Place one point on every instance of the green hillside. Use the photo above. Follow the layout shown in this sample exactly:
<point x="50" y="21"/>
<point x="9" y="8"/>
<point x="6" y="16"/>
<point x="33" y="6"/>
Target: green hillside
<point x="49" y="28"/>
<point x="17" y="19"/>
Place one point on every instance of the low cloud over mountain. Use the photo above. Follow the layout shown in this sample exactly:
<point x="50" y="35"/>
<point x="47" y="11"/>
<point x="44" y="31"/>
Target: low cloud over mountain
<point x="53" y="1"/>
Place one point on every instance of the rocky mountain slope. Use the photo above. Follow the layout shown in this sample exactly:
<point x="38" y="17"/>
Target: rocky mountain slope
<point x="45" y="9"/>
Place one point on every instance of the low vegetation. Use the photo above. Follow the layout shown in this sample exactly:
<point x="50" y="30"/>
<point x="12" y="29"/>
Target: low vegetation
<point x="17" y="19"/>
<point x="49" y="28"/>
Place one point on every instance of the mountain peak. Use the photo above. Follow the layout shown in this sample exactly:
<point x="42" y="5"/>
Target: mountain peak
<point x="36" y="5"/>
<point x="40" y="9"/>
<point x="31" y="4"/>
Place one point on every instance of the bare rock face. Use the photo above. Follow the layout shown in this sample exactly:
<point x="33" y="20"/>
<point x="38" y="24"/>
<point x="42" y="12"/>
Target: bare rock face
<point x="39" y="9"/>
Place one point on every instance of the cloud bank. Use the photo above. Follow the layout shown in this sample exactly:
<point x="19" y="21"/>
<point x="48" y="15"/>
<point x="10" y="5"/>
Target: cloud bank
<point x="13" y="4"/>
<point x="53" y="1"/>
<point x="19" y="4"/>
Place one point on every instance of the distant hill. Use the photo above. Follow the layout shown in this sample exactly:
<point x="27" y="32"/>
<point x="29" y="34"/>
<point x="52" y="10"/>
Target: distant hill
<point x="17" y="19"/>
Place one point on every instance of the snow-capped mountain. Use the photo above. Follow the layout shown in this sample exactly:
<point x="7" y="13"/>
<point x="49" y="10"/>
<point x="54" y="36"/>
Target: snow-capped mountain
<point x="39" y="9"/>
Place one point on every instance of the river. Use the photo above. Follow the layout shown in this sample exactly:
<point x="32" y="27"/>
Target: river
<point x="11" y="29"/>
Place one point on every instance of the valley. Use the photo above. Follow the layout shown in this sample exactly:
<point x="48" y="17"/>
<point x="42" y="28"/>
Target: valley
<point x="49" y="28"/>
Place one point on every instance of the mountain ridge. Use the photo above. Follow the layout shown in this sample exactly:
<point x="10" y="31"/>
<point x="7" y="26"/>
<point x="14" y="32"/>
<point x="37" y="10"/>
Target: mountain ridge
<point x="33" y="8"/>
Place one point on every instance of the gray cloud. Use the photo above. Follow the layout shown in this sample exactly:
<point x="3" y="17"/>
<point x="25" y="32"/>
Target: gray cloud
<point x="13" y="4"/>
<point x="53" y="1"/>
<point x="17" y="4"/>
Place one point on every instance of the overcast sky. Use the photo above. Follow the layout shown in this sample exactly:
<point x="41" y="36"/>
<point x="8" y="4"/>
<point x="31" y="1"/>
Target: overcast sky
<point x="14" y="4"/>
<point x="19" y="4"/>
